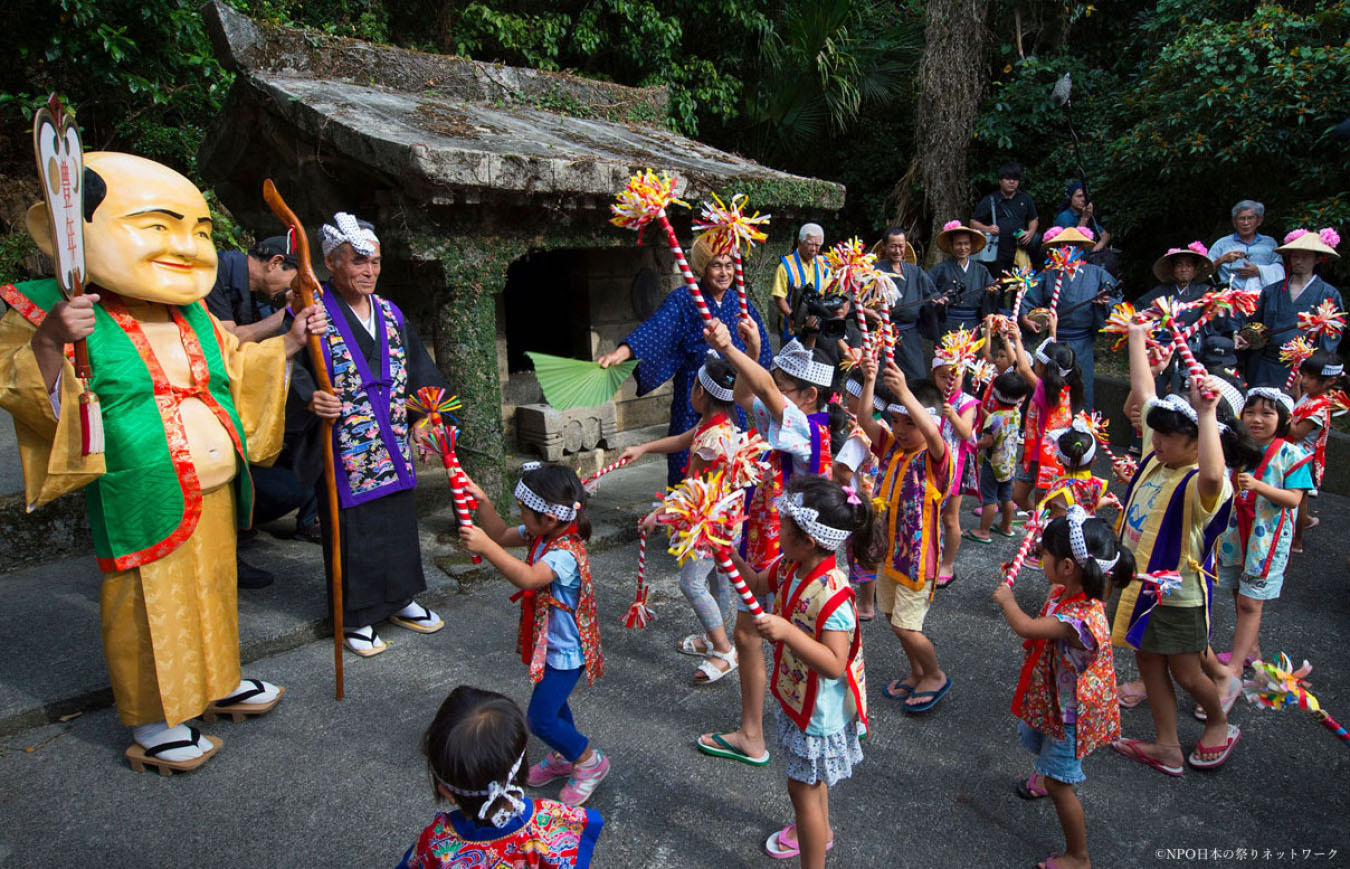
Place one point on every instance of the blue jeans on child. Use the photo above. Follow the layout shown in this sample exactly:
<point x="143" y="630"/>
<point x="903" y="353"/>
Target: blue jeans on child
<point x="993" y="491"/>
<point x="1055" y="758"/>
<point x="549" y="716"/>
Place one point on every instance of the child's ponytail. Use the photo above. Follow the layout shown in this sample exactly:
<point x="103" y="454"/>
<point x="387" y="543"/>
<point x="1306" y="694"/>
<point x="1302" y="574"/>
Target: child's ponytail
<point x="1107" y="566"/>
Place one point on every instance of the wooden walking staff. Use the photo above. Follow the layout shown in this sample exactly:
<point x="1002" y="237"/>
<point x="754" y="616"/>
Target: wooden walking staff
<point x="60" y="164"/>
<point x="306" y="284"/>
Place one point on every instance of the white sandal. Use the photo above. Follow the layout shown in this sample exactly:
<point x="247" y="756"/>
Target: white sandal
<point x="687" y="647"/>
<point x="710" y="670"/>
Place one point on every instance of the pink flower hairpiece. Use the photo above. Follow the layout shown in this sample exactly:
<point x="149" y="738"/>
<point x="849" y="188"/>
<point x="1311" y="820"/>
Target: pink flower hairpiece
<point x="951" y="224"/>
<point x="1294" y="234"/>
<point x="1051" y="233"/>
<point x="1198" y="247"/>
<point x="1330" y="237"/>
<point x="1087" y="233"/>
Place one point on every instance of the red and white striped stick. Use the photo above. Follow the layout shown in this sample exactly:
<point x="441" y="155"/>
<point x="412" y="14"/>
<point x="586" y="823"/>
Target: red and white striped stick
<point x="730" y="572"/>
<point x="605" y="470"/>
<point x="689" y="279"/>
<point x="1198" y="372"/>
<point x="867" y="336"/>
<point x="457" y="489"/>
<point x="740" y="282"/>
<point x="1054" y="294"/>
<point x="887" y="334"/>
<point x="1033" y="535"/>
<point x="639" y="614"/>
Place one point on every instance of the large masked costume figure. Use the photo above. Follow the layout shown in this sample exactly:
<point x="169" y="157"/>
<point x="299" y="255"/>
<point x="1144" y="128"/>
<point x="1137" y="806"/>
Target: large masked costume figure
<point x="185" y="408"/>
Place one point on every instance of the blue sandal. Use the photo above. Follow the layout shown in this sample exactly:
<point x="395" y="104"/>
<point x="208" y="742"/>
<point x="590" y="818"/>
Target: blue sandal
<point x="932" y="697"/>
<point x="900" y="693"/>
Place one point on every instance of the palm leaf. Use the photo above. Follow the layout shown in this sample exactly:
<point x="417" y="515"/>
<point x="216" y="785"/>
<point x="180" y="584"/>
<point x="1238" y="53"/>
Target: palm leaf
<point x="569" y="383"/>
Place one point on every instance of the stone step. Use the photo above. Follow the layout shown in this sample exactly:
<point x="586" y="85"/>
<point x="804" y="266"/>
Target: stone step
<point x="54" y="666"/>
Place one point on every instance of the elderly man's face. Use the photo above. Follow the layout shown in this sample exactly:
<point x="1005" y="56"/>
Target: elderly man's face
<point x="719" y="274"/>
<point x="1246" y="222"/>
<point x="354" y="273"/>
<point x="961" y="245"/>
<point x="895" y="248"/>
<point x="810" y="246"/>
<point x="1183" y="269"/>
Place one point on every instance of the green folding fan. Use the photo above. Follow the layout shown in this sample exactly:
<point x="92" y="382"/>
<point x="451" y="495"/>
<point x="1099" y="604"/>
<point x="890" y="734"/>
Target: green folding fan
<point x="569" y="383"/>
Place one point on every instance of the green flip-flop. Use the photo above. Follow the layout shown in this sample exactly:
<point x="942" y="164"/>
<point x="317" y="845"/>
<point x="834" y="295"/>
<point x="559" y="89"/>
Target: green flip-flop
<point x="972" y="536"/>
<point x="1001" y="533"/>
<point x="730" y="752"/>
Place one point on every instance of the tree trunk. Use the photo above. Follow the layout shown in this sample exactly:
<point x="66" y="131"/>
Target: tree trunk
<point x="951" y="80"/>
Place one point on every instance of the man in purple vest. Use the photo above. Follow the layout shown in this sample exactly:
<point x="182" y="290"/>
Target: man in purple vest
<point x="375" y="361"/>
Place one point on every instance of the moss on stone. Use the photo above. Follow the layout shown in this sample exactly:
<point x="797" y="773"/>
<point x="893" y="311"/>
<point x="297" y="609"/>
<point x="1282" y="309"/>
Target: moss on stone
<point x="803" y="193"/>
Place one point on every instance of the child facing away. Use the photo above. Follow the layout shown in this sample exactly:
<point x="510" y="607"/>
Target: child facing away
<point x="1312" y="425"/>
<point x="958" y="430"/>
<point x="916" y="473"/>
<point x="1075" y="448"/>
<point x="1000" y="436"/>
<point x="1175" y="508"/>
<point x="475" y="749"/>
<point x="818" y="675"/>
<point x="1066" y="692"/>
<point x="788" y="407"/>
<point x="1254" y="548"/>
<point x="559" y="632"/>
<point x="707" y="590"/>
<point x="1057" y="394"/>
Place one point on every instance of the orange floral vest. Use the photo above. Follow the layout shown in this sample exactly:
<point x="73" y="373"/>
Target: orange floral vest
<point x="1036" y="700"/>
<point x="535" y="604"/>
<point x="816" y="597"/>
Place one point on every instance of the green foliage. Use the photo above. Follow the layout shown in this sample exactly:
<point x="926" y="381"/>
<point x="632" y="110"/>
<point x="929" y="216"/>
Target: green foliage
<point x="1184" y="107"/>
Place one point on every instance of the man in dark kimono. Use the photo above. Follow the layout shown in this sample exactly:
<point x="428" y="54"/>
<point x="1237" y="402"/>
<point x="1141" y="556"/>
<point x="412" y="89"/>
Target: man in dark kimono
<point x="1086" y="294"/>
<point x="916" y="294"/>
<point x="1182" y="271"/>
<point x="375" y="361"/>
<point x="1281" y="303"/>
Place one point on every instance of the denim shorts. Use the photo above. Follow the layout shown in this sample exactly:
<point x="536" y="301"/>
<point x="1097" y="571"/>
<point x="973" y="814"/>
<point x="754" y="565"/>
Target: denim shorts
<point x="1254" y="587"/>
<point x="1054" y="757"/>
<point x="993" y="491"/>
<point x="1027" y="475"/>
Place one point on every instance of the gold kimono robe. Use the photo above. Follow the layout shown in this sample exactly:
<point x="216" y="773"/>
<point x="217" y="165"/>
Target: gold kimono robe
<point x="170" y="626"/>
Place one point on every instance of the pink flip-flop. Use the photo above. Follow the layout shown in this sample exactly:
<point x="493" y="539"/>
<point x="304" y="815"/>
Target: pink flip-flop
<point x="1130" y="748"/>
<point x="1225" y="657"/>
<point x="776" y="848"/>
<point x="1234" y="734"/>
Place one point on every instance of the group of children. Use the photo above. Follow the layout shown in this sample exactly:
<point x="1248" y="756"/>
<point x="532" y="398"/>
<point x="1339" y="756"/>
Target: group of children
<point x="859" y="513"/>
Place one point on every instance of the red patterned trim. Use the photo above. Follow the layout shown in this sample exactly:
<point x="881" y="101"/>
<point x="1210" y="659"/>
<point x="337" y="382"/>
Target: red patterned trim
<point x="167" y="399"/>
<point x="21" y="303"/>
<point x="201" y="379"/>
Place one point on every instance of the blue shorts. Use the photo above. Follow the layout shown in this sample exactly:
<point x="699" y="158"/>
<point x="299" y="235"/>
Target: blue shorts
<point x="1054" y="757"/>
<point x="1027" y="476"/>
<point x="1254" y="587"/>
<point x="993" y="491"/>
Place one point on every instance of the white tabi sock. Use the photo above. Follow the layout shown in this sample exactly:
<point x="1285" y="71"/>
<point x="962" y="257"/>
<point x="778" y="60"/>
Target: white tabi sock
<point x="148" y="736"/>
<point x="269" y="692"/>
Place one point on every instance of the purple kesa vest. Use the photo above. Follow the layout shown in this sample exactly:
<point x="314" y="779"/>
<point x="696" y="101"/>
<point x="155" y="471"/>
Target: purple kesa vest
<point x="370" y="440"/>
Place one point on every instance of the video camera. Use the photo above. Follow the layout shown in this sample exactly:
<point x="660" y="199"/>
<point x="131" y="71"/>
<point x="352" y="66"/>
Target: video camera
<point x="824" y="307"/>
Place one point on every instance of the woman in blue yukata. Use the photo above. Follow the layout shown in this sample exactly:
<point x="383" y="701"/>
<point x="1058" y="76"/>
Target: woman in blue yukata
<point x="1281" y="303"/>
<point x="670" y="343"/>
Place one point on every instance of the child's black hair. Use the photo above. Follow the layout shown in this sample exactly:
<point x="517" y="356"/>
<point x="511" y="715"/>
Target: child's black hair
<point x="831" y="502"/>
<point x="1239" y="451"/>
<point x="1282" y="412"/>
<point x="823" y="393"/>
<point x="474" y="740"/>
<point x="559" y="485"/>
<point x="1101" y="543"/>
<point x="724" y="375"/>
<point x="1313" y="365"/>
<point x="1012" y="386"/>
<point x="926" y="392"/>
<point x="880" y="390"/>
<point x="1075" y="444"/>
<point x="1062" y="356"/>
<point x="841" y="426"/>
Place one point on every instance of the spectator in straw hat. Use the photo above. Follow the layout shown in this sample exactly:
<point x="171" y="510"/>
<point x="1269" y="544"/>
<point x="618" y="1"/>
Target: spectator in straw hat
<point x="1182" y="274"/>
<point x="966" y="286"/>
<point x="1300" y="292"/>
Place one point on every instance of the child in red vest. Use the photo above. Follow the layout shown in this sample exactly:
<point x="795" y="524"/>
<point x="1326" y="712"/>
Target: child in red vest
<point x="817" y="674"/>
<point x="559" y="634"/>
<point x="1066" y="692"/>
<point x="1311" y="425"/>
<point x="475" y="749"/>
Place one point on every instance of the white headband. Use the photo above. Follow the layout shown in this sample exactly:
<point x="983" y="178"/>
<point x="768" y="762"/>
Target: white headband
<point x="1180" y="405"/>
<point x="348" y="231"/>
<point x="1270" y="393"/>
<point x="1232" y="396"/>
<point x="1078" y="544"/>
<point x="1044" y="358"/>
<point x="710" y="386"/>
<point x="797" y="361"/>
<point x="1003" y="399"/>
<point x="527" y="496"/>
<point x="1335" y="369"/>
<point x="805" y="517"/>
<point x="512" y="793"/>
<point x="1080" y="426"/>
<point x="900" y="408"/>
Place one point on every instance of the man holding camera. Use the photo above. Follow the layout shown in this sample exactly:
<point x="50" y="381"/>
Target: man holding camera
<point x="803" y="268"/>
<point x="826" y="322"/>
